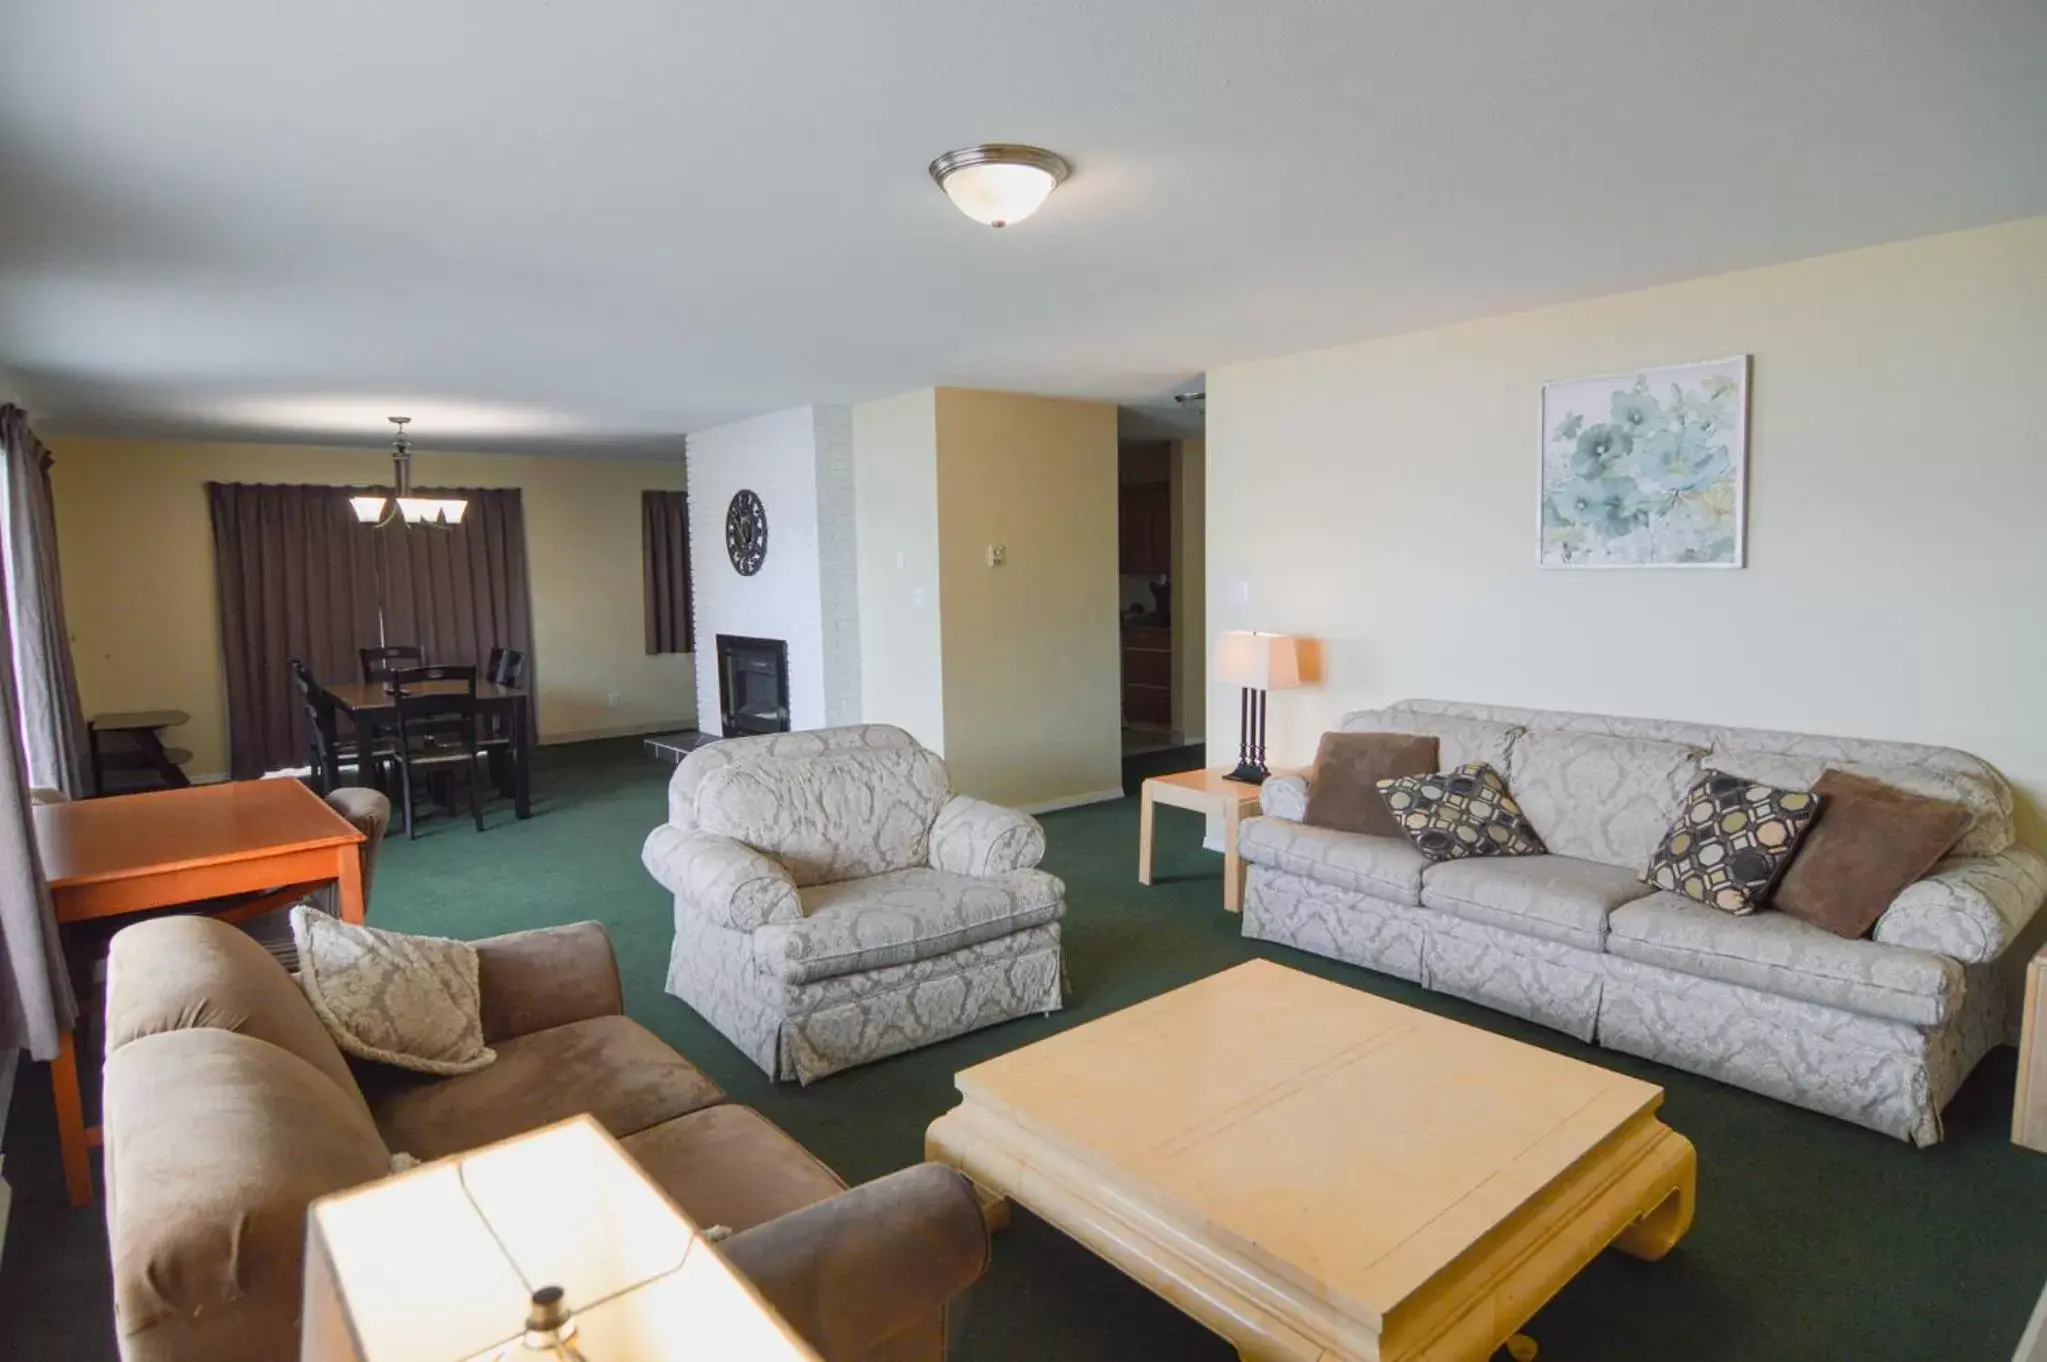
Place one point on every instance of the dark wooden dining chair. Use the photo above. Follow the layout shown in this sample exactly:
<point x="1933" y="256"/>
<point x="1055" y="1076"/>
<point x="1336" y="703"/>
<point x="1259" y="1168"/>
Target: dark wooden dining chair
<point x="323" y="741"/>
<point x="379" y="663"/>
<point x="437" y="734"/>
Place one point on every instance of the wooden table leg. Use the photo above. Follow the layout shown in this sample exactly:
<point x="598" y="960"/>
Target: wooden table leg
<point x="1144" y="821"/>
<point x="71" y="1137"/>
<point x="1233" y="864"/>
<point x="522" y="762"/>
<point x="348" y="884"/>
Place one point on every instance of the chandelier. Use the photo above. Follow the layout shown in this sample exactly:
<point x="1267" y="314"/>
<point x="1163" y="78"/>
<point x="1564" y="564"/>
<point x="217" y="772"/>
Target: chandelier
<point x="381" y="510"/>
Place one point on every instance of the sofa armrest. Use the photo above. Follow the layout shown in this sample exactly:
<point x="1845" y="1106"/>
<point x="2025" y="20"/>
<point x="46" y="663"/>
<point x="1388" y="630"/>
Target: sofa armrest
<point x="538" y="980"/>
<point x="1284" y="797"/>
<point x="974" y="837"/>
<point x="738" y="886"/>
<point x="1971" y="908"/>
<point x="870" y="1264"/>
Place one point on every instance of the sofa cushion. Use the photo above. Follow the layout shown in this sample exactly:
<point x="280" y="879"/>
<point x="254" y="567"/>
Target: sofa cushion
<point x="186" y="972"/>
<point x="1460" y="742"/>
<point x="841" y="816"/>
<point x="1600" y="798"/>
<point x="1344" y="790"/>
<point x="691" y="770"/>
<point x="731" y="1166"/>
<point x="1465" y="812"/>
<point x="1987" y="798"/>
<point x="394" y="997"/>
<point x="1385" y="867"/>
<point x="1871" y="841"/>
<point x="1558" y="898"/>
<point x="611" y="1067"/>
<point x="1732" y="841"/>
<point x="216" y="1144"/>
<point x="1779" y="954"/>
<point x="880" y="920"/>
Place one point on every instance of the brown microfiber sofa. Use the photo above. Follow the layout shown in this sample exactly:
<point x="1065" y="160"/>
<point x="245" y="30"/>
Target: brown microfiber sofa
<point x="229" y="1109"/>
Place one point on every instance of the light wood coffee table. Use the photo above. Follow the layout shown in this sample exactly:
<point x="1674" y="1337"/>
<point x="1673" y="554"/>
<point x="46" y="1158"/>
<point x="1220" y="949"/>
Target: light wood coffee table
<point x="1314" y="1172"/>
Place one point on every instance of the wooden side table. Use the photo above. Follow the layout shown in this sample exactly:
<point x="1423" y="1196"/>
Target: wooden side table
<point x="2029" y="1102"/>
<point x="1206" y="792"/>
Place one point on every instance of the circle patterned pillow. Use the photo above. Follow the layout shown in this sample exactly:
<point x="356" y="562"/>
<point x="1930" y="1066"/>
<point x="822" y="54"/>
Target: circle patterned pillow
<point x="1466" y="812"/>
<point x="1732" y="842"/>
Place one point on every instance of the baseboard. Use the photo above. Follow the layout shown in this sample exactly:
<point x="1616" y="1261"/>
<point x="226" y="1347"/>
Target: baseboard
<point x="626" y="731"/>
<point x="1073" y="801"/>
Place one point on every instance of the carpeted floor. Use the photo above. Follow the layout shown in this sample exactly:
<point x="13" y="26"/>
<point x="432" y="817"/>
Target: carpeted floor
<point x="1814" y="1239"/>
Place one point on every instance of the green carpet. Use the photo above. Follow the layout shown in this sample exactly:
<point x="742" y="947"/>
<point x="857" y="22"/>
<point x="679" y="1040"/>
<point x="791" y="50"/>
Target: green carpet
<point x="1814" y="1239"/>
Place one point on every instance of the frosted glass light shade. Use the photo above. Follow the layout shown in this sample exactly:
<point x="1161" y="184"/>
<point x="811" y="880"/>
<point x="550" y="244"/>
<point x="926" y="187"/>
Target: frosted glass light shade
<point x="1255" y="661"/>
<point x="369" y="510"/>
<point x="999" y="183"/>
<point x="428" y="510"/>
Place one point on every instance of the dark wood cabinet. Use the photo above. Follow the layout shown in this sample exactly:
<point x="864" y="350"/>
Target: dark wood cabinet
<point x="1144" y="543"/>
<point x="1148" y="677"/>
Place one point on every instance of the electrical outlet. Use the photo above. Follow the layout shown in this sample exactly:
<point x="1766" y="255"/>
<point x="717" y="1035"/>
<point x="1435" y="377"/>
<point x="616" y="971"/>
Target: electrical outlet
<point x="998" y="554"/>
<point x="612" y="699"/>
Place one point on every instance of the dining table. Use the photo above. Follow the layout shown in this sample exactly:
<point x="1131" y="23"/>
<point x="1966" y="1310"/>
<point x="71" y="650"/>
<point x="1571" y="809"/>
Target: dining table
<point x="233" y="850"/>
<point x="372" y="705"/>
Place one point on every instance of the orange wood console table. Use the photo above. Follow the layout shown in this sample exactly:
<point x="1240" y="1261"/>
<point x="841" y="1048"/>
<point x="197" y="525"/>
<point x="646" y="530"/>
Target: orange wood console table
<point x="275" y="839"/>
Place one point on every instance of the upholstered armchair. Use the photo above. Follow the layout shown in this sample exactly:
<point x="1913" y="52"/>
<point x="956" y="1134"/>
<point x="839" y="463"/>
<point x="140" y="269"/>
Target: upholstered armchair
<point x="835" y="903"/>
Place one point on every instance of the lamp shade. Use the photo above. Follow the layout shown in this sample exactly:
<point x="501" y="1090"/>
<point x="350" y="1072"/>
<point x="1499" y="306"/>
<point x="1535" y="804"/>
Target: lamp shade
<point x="1258" y="661"/>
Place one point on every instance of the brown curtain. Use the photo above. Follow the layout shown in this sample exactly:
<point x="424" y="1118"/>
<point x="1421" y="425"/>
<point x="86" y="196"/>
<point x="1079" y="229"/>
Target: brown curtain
<point x="664" y="548"/>
<point x="52" y="720"/>
<point x="299" y="576"/>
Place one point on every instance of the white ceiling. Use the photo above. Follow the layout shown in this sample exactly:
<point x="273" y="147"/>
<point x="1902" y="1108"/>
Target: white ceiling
<point x="594" y="224"/>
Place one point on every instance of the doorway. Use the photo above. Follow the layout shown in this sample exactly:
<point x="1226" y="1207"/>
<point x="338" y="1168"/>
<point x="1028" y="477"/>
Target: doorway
<point x="1161" y="491"/>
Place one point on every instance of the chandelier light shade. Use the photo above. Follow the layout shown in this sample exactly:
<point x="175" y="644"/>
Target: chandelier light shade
<point x="999" y="183"/>
<point x="412" y="510"/>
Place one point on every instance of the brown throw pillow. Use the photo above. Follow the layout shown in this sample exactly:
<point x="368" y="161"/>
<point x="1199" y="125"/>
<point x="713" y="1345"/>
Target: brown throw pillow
<point x="1343" y="791"/>
<point x="1871" y="841"/>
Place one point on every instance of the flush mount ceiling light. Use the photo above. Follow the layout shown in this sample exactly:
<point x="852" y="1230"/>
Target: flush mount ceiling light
<point x="380" y="511"/>
<point x="999" y="182"/>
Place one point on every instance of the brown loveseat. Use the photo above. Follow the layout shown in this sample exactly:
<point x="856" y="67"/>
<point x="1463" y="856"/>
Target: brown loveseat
<point x="229" y="1109"/>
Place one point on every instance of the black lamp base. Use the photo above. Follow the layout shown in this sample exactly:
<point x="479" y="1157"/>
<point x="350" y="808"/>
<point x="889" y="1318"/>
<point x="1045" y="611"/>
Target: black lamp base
<point x="1250" y="773"/>
<point x="1251" y="743"/>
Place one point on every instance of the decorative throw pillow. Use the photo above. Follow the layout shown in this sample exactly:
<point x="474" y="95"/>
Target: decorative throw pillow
<point x="1872" y="841"/>
<point x="408" y="1001"/>
<point x="1465" y="812"/>
<point x="1731" y="841"/>
<point x="1343" y="790"/>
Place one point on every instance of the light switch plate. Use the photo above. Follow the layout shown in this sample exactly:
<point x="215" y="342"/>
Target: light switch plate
<point x="998" y="554"/>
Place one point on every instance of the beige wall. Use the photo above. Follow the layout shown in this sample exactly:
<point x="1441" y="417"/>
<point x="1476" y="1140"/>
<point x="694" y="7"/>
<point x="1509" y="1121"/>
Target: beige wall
<point x="895" y="501"/>
<point x="1031" y="649"/>
<point x="137" y="552"/>
<point x="1381" y="497"/>
<point x="1190" y="589"/>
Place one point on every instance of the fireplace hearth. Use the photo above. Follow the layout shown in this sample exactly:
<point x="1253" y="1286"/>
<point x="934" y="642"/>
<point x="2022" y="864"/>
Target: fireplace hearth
<point x="753" y="685"/>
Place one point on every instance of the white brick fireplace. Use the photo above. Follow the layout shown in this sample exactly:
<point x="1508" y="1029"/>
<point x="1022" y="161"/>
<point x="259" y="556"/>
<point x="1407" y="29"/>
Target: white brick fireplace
<point x="800" y="464"/>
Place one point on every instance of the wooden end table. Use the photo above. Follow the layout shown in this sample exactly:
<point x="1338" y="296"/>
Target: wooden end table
<point x="1317" y="1173"/>
<point x="2029" y="1102"/>
<point x="164" y="848"/>
<point x="1206" y="792"/>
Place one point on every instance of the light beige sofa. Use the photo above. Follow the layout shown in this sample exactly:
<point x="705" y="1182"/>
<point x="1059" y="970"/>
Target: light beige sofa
<point x="229" y="1111"/>
<point x="835" y="903"/>
<point x="1879" y="1031"/>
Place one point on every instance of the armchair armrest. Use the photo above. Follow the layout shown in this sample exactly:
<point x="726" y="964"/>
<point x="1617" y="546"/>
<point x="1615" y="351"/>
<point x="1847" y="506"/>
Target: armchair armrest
<point x="974" y="837"/>
<point x="738" y="886"/>
<point x="1970" y="908"/>
<point x="538" y="980"/>
<point x="1284" y="797"/>
<point x="870" y="1264"/>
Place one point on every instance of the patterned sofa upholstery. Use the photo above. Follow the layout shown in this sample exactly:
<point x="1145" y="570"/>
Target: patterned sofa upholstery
<point x="835" y="903"/>
<point x="1880" y="1031"/>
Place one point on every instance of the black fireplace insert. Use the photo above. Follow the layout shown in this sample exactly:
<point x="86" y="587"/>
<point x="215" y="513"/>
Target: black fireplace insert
<point x="753" y="685"/>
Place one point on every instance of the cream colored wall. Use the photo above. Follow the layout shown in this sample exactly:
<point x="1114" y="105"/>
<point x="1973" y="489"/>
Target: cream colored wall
<point x="1190" y="588"/>
<point x="1031" y="650"/>
<point x="1381" y="497"/>
<point x="136" y="546"/>
<point x="895" y="513"/>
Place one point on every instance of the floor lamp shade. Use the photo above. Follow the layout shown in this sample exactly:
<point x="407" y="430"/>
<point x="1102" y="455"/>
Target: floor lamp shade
<point x="1258" y="663"/>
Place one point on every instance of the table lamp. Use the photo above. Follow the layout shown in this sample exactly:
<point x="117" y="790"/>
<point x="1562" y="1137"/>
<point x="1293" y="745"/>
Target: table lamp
<point x="1259" y="663"/>
<point x="551" y="1245"/>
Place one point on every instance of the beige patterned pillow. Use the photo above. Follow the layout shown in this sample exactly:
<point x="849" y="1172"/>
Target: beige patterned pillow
<point x="408" y="1001"/>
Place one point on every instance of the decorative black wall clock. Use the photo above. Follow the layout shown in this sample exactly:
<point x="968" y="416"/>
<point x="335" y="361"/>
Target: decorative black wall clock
<point x="746" y="532"/>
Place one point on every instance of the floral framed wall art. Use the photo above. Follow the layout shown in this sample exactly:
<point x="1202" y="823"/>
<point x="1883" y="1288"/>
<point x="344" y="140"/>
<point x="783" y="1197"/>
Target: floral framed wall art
<point x="1647" y="468"/>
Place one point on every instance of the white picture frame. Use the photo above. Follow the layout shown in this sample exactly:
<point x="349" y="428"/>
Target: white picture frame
<point x="1645" y="468"/>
